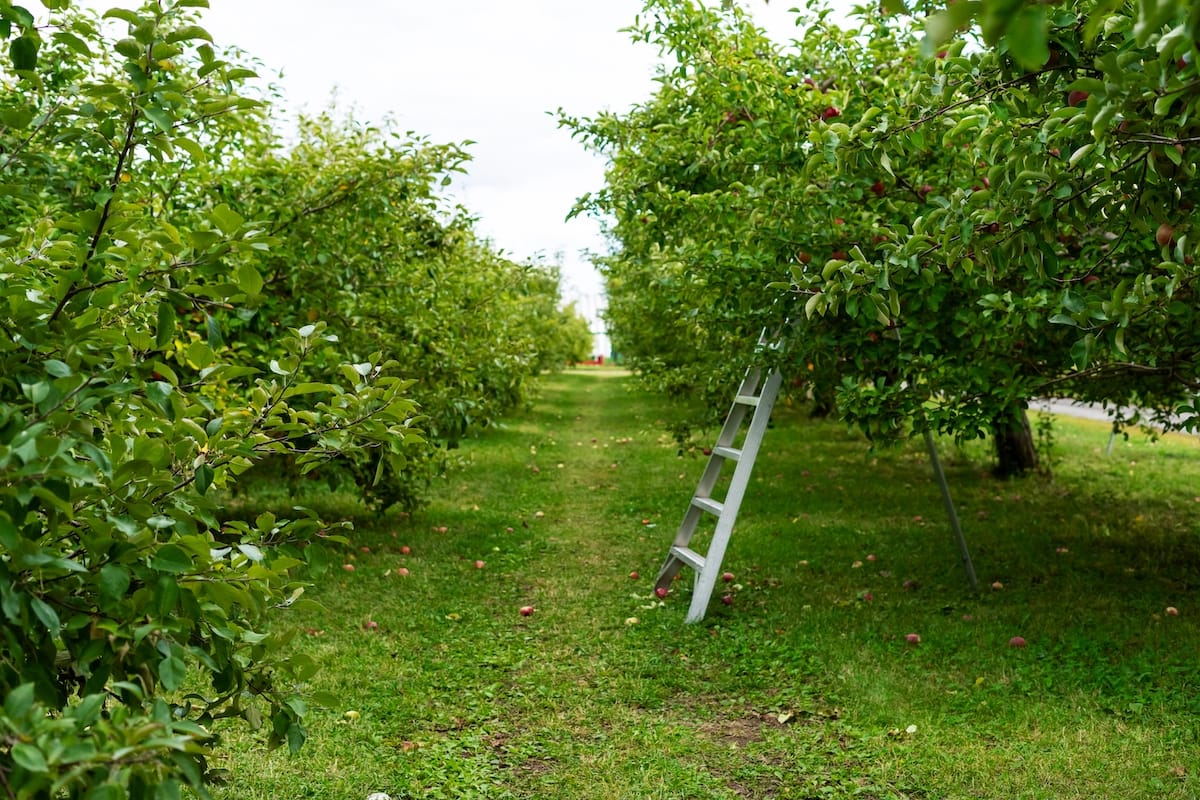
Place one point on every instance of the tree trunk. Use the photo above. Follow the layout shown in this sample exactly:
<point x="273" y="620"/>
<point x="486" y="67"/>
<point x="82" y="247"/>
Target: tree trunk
<point x="1015" y="451"/>
<point x="823" y="400"/>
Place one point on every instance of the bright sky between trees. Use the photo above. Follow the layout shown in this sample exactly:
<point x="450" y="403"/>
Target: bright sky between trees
<point x="492" y="72"/>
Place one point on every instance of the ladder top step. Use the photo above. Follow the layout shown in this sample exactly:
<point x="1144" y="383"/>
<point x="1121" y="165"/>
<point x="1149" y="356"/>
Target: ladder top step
<point x="689" y="557"/>
<point x="747" y="400"/>
<point x="708" y="504"/>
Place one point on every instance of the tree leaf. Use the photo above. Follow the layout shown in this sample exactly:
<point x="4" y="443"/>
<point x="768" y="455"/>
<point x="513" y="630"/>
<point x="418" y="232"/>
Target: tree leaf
<point x="165" y="327"/>
<point x="30" y="758"/>
<point x="172" y="671"/>
<point x="171" y="558"/>
<point x="204" y="478"/>
<point x="1026" y="37"/>
<point x="45" y="614"/>
<point x="23" y="52"/>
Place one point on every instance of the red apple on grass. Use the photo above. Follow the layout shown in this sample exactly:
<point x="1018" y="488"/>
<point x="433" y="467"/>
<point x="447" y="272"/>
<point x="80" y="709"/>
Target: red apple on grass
<point x="526" y="611"/>
<point x="661" y="591"/>
<point x="913" y="638"/>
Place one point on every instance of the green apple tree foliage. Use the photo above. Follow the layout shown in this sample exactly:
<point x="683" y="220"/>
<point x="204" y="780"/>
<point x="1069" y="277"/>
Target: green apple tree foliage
<point x="133" y="617"/>
<point x="963" y="233"/>
<point x="365" y="240"/>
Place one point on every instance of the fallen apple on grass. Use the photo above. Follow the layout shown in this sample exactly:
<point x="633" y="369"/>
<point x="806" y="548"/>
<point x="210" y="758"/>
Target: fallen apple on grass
<point x="1016" y="641"/>
<point x="526" y="611"/>
<point x="633" y="576"/>
<point x="913" y="638"/>
<point x="661" y="591"/>
<point x="727" y="577"/>
<point x="405" y="550"/>
<point x="480" y="564"/>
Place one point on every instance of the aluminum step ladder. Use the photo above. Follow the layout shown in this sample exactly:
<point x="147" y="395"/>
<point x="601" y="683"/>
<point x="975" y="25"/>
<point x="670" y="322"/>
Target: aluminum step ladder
<point x="755" y="396"/>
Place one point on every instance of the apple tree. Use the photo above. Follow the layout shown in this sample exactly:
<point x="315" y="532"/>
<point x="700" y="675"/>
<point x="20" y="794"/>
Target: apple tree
<point x="944" y="217"/>
<point x="365" y="240"/>
<point x="133" y="617"/>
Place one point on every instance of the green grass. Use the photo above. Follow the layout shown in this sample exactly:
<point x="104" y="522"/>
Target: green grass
<point x="800" y="688"/>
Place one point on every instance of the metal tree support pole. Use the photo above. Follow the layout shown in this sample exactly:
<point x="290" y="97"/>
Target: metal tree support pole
<point x="949" y="501"/>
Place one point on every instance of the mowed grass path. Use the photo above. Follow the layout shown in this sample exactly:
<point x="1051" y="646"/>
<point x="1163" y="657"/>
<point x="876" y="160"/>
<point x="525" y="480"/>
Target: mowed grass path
<point x="805" y="685"/>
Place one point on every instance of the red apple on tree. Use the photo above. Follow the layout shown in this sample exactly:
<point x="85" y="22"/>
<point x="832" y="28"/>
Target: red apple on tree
<point x="1164" y="235"/>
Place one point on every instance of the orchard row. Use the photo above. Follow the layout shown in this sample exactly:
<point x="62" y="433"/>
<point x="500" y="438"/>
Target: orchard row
<point x="184" y="298"/>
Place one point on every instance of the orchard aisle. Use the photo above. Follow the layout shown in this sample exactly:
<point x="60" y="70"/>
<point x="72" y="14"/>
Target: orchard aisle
<point x="448" y="690"/>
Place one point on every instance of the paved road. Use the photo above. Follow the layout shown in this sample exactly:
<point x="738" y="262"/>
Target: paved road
<point x="1073" y="408"/>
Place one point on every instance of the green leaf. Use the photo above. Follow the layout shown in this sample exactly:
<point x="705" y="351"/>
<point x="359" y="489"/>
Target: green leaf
<point x="172" y="671"/>
<point x="251" y="552"/>
<point x="19" y="701"/>
<point x="165" y="329"/>
<point x="160" y="117"/>
<point x="226" y="220"/>
<point x="45" y="614"/>
<point x="200" y="355"/>
<point x="23" y="52"/>
<point x="171" y="558"/>
<point x="29" y="758"/>
<point x="56" y="368"/>
<point x="113" y="581"/>
<point x="17" y="118"/>
<point x="122" y="14"/>
<point x="248" y="280"/>
<point x="295" y="737"/>
<point x="73" y="42"/>
<point x="129" y="48"/>
<point x="1026" y="37"/>
<point x="941" y="27"/>
<point x="188" y="33"/>
<point x="204" y="478"/>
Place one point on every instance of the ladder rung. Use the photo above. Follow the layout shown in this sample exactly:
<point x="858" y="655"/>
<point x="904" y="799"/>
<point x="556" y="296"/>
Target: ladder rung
<point x="732" y="453"/>
<point x="747" y="400"/>
<point x="708" y="504"/>
<point x="689" y="557"/>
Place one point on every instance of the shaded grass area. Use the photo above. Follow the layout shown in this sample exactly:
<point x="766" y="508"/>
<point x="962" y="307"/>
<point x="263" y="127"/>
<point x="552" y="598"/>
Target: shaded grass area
<point x="804" y="685"/>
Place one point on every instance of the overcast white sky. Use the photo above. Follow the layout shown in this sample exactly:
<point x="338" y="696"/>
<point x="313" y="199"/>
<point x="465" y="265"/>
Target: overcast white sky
<point x="483" y="70"/>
